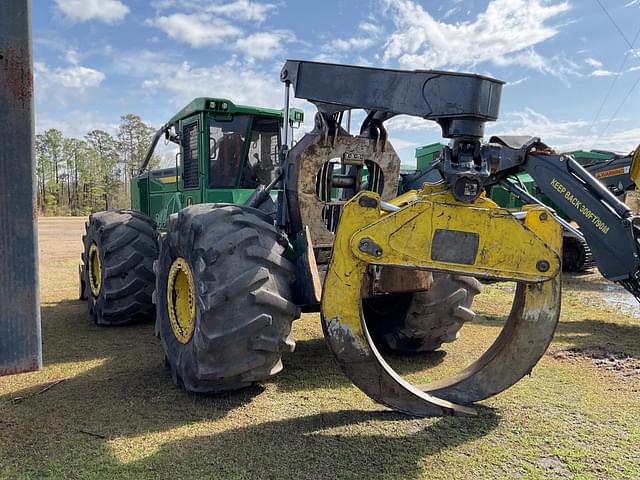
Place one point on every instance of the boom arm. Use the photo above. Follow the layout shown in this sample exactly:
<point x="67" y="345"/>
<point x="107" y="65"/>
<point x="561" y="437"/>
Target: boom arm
<point x="461" y="103"/>
<point x="607" y="224"/>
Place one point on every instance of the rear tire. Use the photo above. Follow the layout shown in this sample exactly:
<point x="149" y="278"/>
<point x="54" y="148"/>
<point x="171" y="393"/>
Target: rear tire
<point x="120" y="247"/>
<point x="242" y="296"/>
<point x="422" y="321"/>
<point x="574" y="254"/>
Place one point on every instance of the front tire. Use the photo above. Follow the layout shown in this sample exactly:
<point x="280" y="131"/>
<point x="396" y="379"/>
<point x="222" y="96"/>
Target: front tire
<point x="234" y="327"/>
<point x="120" y="247"/>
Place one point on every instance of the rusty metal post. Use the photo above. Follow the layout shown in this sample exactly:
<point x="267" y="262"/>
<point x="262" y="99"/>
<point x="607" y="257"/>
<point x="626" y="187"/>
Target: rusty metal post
<point x="20" y="336"/>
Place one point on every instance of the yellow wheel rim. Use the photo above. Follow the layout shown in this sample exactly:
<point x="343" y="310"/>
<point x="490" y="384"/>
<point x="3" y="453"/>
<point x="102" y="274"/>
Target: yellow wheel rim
<point x="95" y="270"/>
<point x="181" y="300"/>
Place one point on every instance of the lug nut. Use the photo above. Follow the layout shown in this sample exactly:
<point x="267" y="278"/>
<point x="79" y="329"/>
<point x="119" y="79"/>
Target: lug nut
<point x="544" y="217"/>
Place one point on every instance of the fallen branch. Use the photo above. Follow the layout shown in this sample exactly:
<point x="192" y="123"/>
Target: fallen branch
<point x="39" y="392"/>
<point x="97" y="435"/>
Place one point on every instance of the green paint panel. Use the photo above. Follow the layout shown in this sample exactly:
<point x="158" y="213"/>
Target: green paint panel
<point x="425" y="155"/>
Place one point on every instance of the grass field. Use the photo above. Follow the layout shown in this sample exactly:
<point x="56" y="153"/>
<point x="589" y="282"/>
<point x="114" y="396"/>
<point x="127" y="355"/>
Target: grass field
<point x="104" y="407"/>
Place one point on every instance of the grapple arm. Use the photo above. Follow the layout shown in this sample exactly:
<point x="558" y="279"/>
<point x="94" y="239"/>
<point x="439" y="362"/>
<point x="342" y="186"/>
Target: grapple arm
<point x="434" y="231"/>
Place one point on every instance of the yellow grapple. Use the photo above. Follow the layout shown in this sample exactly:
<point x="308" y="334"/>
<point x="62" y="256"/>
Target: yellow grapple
<point x="431" y="230"/>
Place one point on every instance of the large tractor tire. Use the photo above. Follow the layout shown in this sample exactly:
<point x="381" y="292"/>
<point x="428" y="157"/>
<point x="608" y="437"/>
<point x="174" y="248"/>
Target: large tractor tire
<point x="224" y="298"/>
<point x="120" y="247"/>
<point x="422" y="321"/>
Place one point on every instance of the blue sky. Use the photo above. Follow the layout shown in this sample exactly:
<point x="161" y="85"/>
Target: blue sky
<point x="96" y="60"/>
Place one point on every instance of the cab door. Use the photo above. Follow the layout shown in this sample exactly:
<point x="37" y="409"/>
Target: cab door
<point x="191" y="140"/>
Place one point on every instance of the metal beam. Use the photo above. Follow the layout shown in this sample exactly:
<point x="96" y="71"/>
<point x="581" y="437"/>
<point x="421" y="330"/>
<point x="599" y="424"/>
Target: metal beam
<point x="20" y="335"/>
<point x="460" y="102"/>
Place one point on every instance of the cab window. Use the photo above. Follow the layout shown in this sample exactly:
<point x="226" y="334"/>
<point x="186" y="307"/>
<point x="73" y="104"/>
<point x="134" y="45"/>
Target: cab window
<point x="226" y="148"/>
<point x="262" y="158"/>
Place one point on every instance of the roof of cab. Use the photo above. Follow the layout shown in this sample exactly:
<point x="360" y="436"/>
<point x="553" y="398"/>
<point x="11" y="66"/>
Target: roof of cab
<point x="201" y="104"/>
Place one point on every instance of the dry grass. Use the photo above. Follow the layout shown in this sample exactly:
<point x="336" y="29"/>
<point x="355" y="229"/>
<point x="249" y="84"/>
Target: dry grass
<point x="117" y="415"/>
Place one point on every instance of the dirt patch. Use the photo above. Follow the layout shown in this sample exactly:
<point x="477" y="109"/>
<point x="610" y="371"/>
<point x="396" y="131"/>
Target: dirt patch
<point x="554" y="466"/>
<point x="619" y="363"/>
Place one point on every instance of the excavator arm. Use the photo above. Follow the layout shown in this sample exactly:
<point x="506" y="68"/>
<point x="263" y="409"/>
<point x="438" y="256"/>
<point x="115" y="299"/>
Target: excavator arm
<point x="454" y="228"/>
<point x="606" y="223"/>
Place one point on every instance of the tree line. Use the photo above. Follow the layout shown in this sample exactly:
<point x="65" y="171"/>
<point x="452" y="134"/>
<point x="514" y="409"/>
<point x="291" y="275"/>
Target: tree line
<point x="79" y="176"/>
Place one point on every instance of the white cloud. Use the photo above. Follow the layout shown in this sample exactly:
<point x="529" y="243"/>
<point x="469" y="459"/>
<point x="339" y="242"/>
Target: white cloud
<point x="531" y="122"/>
<point x="108" y="11"/>
<point x="563" y="135"/>
<point x="517" y="82"/>
<point x="370" y="36"/>
<point x="558" y="65"/>
<point x="76" y="123"/>
<point x="370" y="28"/>
<point x="601" y="73"/>
<point x="593" y="62"/>
<point x="237" y="10"/>
<point x="350" y="44"/>
<point x="451" y="11"/>
<point x="184" y="81"/>
<point x="245" y="10"/>
<point x="263" y="45"/>
<point x="505" y="33"/>
<point x="76" y="78"/>
<point x="404" y="144"/>
<point x="72" y="56"/>
<point x="199" y="30"/>
<point x="407" y="123"/>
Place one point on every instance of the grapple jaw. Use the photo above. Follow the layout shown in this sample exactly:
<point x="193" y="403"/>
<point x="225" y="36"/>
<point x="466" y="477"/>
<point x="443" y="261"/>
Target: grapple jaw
<point x="436" y="232"/>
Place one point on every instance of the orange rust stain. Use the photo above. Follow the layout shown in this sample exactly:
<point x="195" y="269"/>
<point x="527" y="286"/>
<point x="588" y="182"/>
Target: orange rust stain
<point x="17" y="76"/>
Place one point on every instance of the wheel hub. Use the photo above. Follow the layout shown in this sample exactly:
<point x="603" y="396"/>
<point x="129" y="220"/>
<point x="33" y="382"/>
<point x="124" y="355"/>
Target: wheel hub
<point x="95" y="270"/>
<point x="181" y="301"/>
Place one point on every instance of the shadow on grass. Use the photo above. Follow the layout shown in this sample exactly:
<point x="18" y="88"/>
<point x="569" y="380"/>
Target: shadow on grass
<point x="312" y="365"/>
<point x="343" y="444"/>
<point x="589" y="334"/>
<point x="319" y="446"/>
<point x="66" y="431"/>
<point x="70" y="336"/>
<point x="114" y="383"/>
